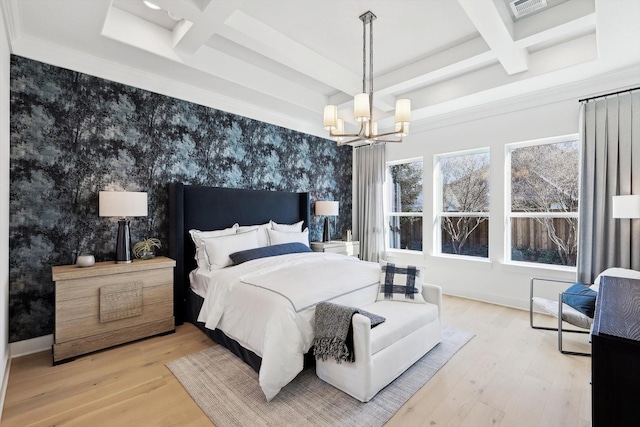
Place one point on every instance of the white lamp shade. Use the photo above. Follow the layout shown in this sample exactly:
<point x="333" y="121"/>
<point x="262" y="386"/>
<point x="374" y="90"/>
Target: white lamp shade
<point x="122" y="203"/>
<point x="327" y="208"/>
<point x="403" y="111"/>
<point x="329" y="120"/>
<point x="371" y="128"/>
<point x="339" y="130"/>
<point x="402" y="129"/>
<point x="361" y="107"/>
<point x="626" y="206"/>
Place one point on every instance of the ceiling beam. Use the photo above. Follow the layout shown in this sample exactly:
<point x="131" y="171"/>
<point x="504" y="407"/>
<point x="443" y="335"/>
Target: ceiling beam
<point x="487" y="19"/>
<point x="203" y="26"/>
<point x="462" y="58"/>
<point x="571" y="29"/>
<point x="132" y="30"/>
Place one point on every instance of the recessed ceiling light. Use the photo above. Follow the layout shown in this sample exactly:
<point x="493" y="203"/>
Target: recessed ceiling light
<point x="151" y="5"/>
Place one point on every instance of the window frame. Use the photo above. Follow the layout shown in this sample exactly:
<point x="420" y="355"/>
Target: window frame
<point x="387" y="205"/>
<point x="508" y="214"/>
<point x="438" y="211"/>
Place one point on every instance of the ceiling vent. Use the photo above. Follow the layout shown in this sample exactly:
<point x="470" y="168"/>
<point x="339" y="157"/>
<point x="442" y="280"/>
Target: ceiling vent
<point x="522" y="8"/>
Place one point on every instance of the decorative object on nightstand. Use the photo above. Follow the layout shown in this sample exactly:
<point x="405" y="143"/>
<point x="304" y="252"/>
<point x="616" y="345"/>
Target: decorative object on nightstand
<point x="337" y="246"/>
<point x="122" y="204"/>
<point x="327" y="208"/>
<point x="85" y="260"/>
<point x="144" y="249"/>
<point x="111" y="304"/>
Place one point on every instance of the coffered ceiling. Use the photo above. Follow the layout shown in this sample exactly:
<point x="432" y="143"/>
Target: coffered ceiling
<point x="281" y="61"/>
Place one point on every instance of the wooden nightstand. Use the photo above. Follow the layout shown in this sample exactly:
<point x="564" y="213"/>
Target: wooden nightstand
<point x="338" y="247"/>
<point x="109" y="304"/>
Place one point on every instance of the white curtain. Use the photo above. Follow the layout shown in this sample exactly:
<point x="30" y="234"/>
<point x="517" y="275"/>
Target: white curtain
<point x="369" y="180"/>
<point x="610" y="138"/>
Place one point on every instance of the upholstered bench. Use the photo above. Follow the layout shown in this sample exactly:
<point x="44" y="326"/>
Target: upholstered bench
<point x="386" y="351"/>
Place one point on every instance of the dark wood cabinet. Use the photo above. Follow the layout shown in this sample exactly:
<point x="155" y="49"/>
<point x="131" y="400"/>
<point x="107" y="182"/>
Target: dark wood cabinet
<point x="615" y="365"/>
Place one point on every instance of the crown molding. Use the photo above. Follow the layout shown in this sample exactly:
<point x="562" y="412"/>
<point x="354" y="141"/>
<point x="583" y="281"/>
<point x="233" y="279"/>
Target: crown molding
<point x="13" y="20"/>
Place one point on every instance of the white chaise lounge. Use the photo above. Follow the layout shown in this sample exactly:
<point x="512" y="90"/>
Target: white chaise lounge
<point x="386" y="351"/>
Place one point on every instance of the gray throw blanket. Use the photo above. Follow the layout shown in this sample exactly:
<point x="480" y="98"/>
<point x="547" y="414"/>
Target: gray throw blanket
<point x="334" y="331"/>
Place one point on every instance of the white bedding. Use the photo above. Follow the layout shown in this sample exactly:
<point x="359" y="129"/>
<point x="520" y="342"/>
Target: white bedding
<point x="268" y="305"/>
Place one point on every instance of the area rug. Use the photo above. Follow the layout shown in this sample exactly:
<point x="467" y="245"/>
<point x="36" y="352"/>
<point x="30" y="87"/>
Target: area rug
<point x="227" y="390"/>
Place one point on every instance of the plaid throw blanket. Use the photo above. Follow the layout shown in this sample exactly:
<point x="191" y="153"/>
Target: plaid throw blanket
<point x="334" y="331"/>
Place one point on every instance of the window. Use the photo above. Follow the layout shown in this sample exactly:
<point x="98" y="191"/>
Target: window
<point x="462" y="207"/>
<point x="404" y="205"/>
<point x="543" y="203"/>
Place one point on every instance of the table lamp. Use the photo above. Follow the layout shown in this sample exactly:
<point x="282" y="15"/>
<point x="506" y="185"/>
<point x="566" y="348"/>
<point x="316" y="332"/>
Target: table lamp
<point x="626" y="206"/>
<point x="122" y="204"/>
<point x="327" y="208"/>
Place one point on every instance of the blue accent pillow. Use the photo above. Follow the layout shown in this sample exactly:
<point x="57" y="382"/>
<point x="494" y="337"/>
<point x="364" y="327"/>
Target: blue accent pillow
<point x="267" y="251"/>
<point x="580" y="297"/>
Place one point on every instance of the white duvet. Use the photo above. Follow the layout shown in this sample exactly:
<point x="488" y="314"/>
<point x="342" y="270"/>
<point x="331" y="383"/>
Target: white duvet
<point x="268" y="305"/>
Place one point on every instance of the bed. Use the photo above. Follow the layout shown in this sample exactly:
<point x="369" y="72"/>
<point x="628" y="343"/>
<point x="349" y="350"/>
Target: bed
<point x="209" y="208"/>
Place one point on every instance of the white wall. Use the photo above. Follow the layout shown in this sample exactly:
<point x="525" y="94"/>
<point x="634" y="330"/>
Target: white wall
<point x="493" y="280"/>
<point x="4" y="210"/>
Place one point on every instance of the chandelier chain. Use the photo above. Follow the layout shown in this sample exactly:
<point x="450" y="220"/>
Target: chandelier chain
<point x="371" y="73"/>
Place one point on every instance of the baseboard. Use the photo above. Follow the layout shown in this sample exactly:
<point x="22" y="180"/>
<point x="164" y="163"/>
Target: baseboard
<point x="5" y="382"/>
<point x="518" y="304"/>
<point x="34" y="345"/>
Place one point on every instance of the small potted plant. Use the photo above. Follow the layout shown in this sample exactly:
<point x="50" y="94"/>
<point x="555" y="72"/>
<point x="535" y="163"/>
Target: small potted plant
<point x="145" y="248"/>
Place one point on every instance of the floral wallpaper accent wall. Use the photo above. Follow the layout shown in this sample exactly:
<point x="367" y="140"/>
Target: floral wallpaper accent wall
<point x="73" y="135"/>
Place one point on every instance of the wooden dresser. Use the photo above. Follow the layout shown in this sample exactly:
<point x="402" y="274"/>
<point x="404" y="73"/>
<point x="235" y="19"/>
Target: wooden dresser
<point x="109" y="304"/>
<point x="615" y="346"/>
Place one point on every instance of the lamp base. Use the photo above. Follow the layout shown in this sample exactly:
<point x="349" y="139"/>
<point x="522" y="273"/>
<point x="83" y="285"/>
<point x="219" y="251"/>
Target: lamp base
<point x="326" y="232"/>
<point x="123" y="243"/>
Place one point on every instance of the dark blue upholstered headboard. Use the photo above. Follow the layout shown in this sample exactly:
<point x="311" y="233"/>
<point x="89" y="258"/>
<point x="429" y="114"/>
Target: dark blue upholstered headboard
<point x="214" y="208"/>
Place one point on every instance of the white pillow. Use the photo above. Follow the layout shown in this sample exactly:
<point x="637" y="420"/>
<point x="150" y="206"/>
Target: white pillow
<point x="197" y="236"/>
<point x="263" y="237"/>
<point x="279" y="237"/>
<point x="218" y="249"/>
<point x="289" y="228"/>
<point x="400" y="283"/>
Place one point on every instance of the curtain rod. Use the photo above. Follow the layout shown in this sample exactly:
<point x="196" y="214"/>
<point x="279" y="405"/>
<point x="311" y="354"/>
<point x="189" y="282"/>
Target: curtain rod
<point x="609" y="94"/>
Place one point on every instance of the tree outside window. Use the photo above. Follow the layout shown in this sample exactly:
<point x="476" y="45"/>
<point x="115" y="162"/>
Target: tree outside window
<point x="544" y="201"/>
<point x="404" y="202"/>
<point x="464" y="203"/>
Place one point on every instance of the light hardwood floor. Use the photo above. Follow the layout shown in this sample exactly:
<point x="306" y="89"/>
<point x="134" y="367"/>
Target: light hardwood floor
<point x="507" y="375"/>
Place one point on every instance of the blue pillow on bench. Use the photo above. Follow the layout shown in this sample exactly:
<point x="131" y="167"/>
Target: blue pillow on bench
<point x="580" y="297"/>
<point x="267" y="251"/>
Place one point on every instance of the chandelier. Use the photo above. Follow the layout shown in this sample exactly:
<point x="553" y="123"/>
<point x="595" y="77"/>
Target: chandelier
<point x="363" y="105"/>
